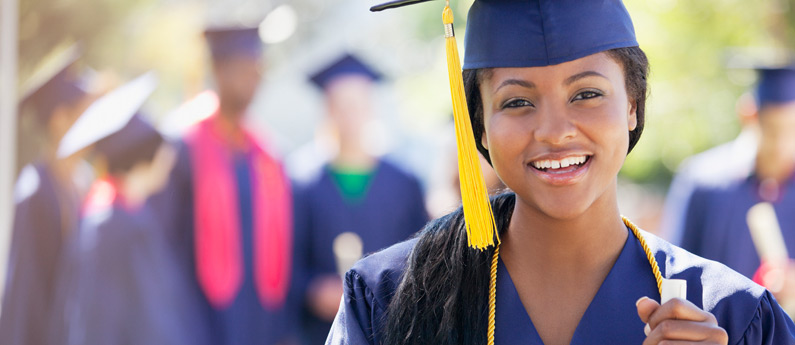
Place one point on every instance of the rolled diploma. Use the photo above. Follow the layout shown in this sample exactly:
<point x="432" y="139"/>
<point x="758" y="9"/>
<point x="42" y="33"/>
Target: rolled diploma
<point x="766" y="233"/>
<point x="673" y="288"/>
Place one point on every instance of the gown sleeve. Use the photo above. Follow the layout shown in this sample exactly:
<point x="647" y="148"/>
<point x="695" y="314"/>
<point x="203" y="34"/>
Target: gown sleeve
<point x="770" y="325"/>
<point x="354" y="324"/>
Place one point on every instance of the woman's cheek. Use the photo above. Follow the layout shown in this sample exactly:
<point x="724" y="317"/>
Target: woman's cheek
<point x="508" y="137"/>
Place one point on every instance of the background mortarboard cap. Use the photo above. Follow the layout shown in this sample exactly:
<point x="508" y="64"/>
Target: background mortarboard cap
<point x="107" y="115"/>
<point x="530" y="33"/>
<point x="345" y="65"/>
<point x="53" y="83"/>
<point x="226" y="42"/>
<point x="776" y="85"/>
<point x="137" y="141"/>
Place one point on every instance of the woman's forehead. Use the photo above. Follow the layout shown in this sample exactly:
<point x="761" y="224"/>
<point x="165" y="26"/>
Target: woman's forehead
<point x="601" y="63"/>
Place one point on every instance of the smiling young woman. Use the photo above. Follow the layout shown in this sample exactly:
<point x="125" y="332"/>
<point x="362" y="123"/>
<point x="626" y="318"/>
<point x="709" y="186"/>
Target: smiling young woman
<point x="557" y="93"/>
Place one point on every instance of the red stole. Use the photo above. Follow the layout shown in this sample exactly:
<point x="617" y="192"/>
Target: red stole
<point x="217" y="243"/>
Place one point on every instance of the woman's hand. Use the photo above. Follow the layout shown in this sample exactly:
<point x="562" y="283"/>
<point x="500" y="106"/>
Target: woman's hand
<point x="679" y="322"/>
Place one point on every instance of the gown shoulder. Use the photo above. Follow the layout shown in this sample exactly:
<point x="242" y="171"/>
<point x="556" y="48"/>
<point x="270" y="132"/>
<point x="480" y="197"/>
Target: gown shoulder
<point x="747" y="311"/>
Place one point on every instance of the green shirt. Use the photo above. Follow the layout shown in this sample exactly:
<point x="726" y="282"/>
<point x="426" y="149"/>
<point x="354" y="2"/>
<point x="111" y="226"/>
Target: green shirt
<point x="353" y="184"/>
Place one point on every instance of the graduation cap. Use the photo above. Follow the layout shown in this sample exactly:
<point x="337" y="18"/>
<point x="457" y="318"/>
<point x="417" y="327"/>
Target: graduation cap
<point x="522" y="33"/>
<point x="776" y="85"/>
<point x="348" y="64"/>
<point x="518" y="33"/>
<point x="137" y="141"/>
<point x="226" y="42"/>
<point x="52" y="84"/>
<point x="108" y="115"/>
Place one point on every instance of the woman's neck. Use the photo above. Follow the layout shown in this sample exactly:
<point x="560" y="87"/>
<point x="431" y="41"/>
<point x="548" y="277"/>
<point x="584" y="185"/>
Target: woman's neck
<point x="558" y="265"/>
<point x="592" y="239"/>
<point x="351" y="154"/>
<point x="229" y="127"/>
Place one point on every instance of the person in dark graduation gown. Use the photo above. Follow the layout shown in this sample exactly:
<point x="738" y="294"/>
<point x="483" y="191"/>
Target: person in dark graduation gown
<point x="555" y="116"/>
<point x="227" y="207"/>
<point x="717" y="224"/>
<point x="719" y="166"/>
<point x="46" y="202"/>
<point x="119" y="283"/>
<point x="369" y="199"/>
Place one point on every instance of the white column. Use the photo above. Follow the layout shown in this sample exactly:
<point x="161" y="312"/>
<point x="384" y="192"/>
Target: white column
<point x="9" y="18"/>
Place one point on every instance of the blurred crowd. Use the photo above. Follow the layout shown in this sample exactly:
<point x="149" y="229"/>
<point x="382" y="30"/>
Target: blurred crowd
<point x="196" y="229"/>
<point x="190" y="230"/>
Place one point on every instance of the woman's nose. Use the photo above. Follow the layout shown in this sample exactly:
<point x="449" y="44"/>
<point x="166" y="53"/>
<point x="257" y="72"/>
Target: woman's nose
<point x="554" y="126"/>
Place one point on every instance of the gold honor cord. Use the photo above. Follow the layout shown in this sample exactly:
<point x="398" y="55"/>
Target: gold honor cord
<point x="478" y="216"/>
<point x="493" y="281"/>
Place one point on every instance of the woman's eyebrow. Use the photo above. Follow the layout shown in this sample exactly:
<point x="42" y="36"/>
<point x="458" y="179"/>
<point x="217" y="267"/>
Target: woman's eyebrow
<point x="518" y="82"/>
<point x="581" y="75"/>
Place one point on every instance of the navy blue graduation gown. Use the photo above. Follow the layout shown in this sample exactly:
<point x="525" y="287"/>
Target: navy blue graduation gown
<point x="245" y="321"/>
<point x="45" y="215"/>
<point x="716" y="226"/>
<point x="392" y="210"/>
<point x="120" y="285"/>
<point x="748" y="313"/>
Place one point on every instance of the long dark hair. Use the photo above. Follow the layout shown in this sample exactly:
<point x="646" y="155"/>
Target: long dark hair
<point x="442" y="295"/>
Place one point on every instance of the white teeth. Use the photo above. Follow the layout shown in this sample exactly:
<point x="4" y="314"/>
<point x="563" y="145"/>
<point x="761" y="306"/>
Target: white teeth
<point x="557" y="164"/>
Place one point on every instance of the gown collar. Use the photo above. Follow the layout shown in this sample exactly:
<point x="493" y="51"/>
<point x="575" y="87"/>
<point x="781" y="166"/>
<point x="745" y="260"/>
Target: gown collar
<point x="611" y="316"/>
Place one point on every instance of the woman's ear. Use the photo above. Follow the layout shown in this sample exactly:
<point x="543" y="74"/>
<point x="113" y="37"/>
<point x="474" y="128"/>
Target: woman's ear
<point x="632" y="115"/>
<point x="484" y="140"/>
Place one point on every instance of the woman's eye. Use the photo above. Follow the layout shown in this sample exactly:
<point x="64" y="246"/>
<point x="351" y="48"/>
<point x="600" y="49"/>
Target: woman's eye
<point x="517" y="103"/>
<point x="587" y="95"/>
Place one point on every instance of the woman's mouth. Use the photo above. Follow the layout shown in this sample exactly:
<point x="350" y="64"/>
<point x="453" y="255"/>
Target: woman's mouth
<point x="563" y="171"/>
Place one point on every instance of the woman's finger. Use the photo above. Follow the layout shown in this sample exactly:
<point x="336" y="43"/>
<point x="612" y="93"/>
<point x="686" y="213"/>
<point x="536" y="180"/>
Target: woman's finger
<point x="679" y="309"/>
<point x="682" y="330"/>
<point x="646" y="306"/>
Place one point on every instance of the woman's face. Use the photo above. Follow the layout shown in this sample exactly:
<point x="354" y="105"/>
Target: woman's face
<point x="558" y="135"/>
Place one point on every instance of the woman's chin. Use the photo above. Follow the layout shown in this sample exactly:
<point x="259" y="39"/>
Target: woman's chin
<point x="560" y="209"/>
<point x="558" y="213"/>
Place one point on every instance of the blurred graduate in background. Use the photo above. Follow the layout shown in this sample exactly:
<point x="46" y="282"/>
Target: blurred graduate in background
<point x="227" y="206"/>
<point x="749" y="225"/>
<point x="714" y="168"/>
<point x="356" y="204"/>
<point x="119" y="282"/>
<point x="46" y="198"/>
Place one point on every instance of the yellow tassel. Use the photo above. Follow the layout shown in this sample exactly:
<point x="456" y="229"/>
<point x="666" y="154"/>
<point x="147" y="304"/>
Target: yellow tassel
<point x="478" y="216"/>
